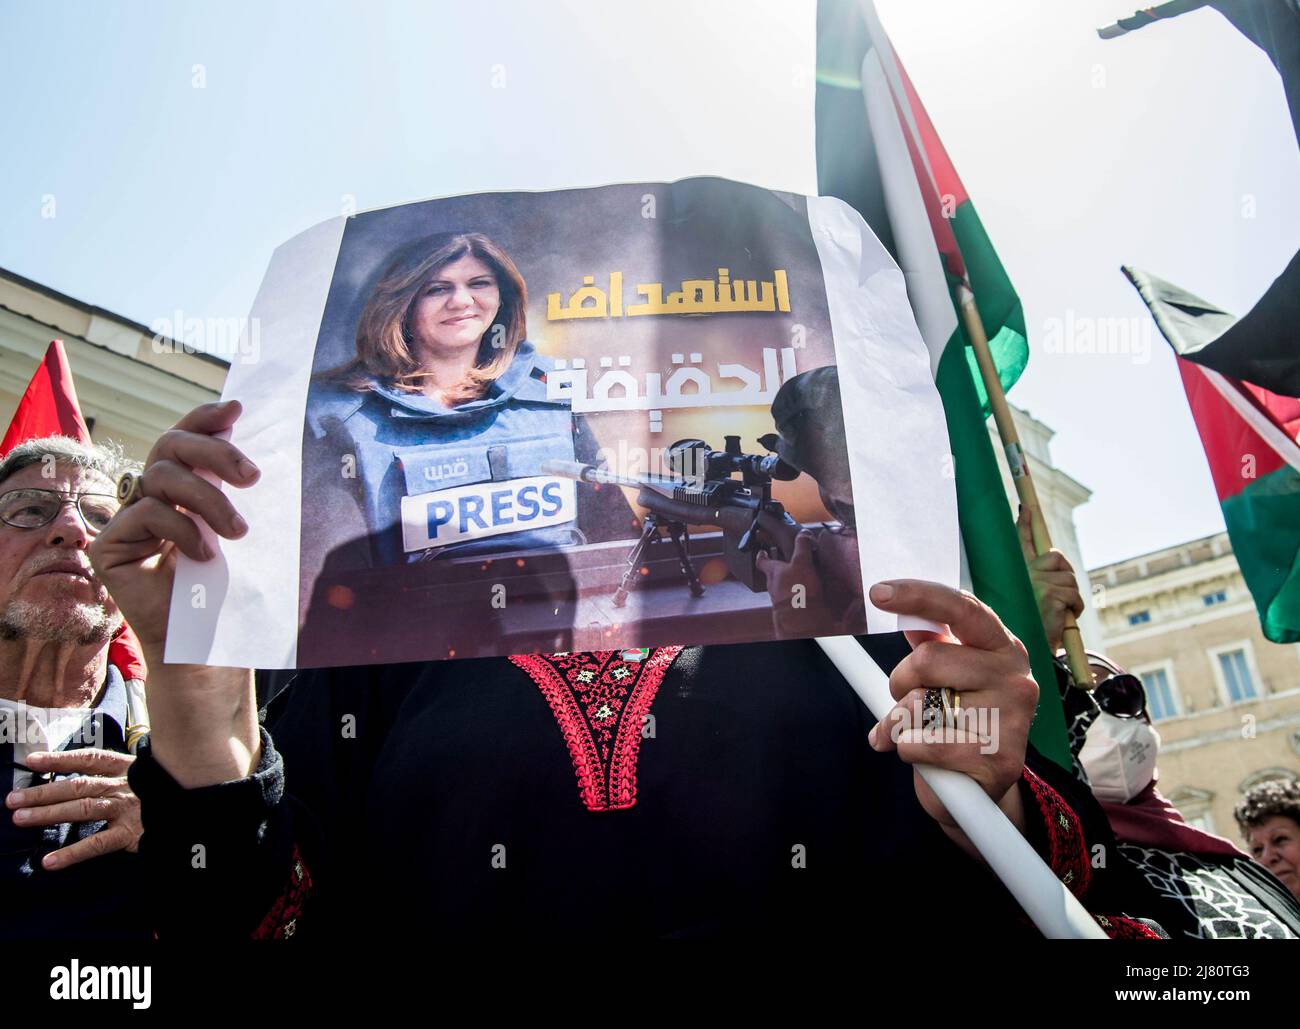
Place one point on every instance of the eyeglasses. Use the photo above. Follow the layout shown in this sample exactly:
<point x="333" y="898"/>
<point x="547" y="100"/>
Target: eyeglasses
<point x="32" y="508"/>
<point x="1123" y="696"/>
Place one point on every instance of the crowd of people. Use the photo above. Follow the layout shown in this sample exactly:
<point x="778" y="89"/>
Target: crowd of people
<point x="525" y="795"/>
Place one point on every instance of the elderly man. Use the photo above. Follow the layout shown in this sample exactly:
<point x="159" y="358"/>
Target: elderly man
<point x="64" y="710"/>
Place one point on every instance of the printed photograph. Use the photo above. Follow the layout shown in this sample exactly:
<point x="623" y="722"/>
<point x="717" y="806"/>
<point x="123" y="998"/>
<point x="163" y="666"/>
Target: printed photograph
<point x="574" y="420"/>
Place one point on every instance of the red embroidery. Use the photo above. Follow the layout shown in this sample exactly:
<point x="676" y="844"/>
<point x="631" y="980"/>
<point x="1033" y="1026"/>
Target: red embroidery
<point x="281" y="921"/>
<point x="1119" y="927"/>
<point x="600" y="702"/>
<point x="1067" y="851"/>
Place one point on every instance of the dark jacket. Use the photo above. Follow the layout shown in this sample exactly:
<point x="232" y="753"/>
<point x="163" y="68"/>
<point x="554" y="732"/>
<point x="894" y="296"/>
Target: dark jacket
<point x="96" y="899"/>
<point x="472" y="799"/>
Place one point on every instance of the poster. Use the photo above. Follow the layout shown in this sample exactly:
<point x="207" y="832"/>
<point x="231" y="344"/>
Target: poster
<point x="582" y="419"/>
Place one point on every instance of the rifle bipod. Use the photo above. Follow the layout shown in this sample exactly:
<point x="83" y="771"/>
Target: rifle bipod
<point x="681" y="537"/>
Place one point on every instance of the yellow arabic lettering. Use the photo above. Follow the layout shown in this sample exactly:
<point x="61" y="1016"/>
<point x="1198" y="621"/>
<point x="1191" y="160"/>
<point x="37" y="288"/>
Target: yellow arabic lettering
<point x="696" y="296"/>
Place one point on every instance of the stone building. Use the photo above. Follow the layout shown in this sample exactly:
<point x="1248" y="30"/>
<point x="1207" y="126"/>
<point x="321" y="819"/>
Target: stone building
<point x="1225" y="700"/>
<point x="131" y="383"/>
<point x="1059" y="495"/>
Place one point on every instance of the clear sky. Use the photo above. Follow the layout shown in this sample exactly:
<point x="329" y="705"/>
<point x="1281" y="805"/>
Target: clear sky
<point x="180" y="143"/>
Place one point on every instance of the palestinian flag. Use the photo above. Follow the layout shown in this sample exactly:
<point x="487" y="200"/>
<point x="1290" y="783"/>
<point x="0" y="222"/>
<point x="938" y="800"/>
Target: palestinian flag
<point x="1262" y="347"/>
<point x="1249" y="436"/>
<point x="878" y="151"/>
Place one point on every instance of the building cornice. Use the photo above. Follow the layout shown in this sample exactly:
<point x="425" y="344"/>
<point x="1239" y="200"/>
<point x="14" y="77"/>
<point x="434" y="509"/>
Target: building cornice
<point x="52" y="314"/>
<point x="1229" y="734"/>
<point x="140" y="397"/>
<point x="1179" y="578"/>
<point x="1159" y="627"/>
<point x="1138" y="561"/>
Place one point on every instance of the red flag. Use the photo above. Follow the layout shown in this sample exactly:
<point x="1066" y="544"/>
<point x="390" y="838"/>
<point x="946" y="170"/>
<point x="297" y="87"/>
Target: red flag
<point x="49" y="408"/>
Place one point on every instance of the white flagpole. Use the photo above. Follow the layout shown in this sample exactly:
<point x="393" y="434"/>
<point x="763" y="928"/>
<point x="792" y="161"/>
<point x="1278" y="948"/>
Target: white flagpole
<point x="1045" y="899"/>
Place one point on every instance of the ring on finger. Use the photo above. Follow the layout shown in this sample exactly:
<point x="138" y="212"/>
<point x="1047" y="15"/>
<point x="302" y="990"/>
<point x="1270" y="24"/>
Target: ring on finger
<point x="951" y="707"/>
<point x="130" y="488"/>
<point x="945" y="705"/>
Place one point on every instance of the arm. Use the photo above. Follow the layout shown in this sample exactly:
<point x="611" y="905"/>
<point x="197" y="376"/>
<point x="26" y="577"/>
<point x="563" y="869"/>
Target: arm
<point x="1069" y="830"/>
<point x="223" y="860"/>
<point x="204" y="720"/>
<point x="209" y="780"/>
<point x="808" y="598"/>
<point x="278" y="846"/>
<point x="1055" y="586"/>
<point x="338" y="539"/>
<point x="988" y="667"/>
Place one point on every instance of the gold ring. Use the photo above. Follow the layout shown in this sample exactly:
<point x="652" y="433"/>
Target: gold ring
<point x="951" y="707"/>
<point x="130" y="488"/>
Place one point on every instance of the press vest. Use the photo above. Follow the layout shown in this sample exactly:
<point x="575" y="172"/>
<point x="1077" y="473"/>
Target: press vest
<point x="438" y="481"/>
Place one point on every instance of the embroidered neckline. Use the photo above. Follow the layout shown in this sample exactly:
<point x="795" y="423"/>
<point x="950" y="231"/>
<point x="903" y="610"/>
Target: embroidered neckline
<point x="600" y="702"/>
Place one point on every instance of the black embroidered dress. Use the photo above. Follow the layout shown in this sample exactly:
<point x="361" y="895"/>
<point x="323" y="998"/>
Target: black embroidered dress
<point x="715" y="791"/>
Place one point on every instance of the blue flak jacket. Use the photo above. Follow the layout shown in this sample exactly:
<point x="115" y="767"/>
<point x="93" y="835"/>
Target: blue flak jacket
<point x="410" y="445"/>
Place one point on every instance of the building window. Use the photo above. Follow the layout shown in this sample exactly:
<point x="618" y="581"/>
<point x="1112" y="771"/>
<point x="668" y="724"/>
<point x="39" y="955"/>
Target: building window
<point x="1203" y="821"/>
<point x="1237" y="680"/>
<point x="1218" y="597"/>
<point x="1195" y="806"/>
<point x="1160" y="694"/>
<point x="1138" y="617"/>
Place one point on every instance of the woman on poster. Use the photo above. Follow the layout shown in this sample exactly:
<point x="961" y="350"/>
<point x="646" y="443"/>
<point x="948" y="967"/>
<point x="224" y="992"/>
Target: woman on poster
<point x="441" y="421"/>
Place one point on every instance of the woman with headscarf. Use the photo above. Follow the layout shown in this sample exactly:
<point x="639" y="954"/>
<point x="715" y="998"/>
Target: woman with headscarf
<point x="738" y="791"/>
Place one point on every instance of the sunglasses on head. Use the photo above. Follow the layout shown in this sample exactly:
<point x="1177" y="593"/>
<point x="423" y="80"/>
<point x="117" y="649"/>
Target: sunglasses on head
<point x="1122" y="695"/>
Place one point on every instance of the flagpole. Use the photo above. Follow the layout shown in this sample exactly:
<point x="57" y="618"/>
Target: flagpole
<point x="1073" y="641"/>
<point x="1075" y="652"/>
<point x="1145" y="17"/>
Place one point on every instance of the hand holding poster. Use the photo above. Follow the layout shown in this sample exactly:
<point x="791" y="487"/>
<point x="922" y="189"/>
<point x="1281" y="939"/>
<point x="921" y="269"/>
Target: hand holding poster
<point x="577" y="420"/>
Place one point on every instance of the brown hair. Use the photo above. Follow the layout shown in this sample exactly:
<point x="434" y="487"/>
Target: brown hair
<point x="384" y="344"/>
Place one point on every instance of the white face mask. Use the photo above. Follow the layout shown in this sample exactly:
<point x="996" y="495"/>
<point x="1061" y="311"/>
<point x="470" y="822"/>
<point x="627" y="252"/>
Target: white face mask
<point x="1119" y="755"/>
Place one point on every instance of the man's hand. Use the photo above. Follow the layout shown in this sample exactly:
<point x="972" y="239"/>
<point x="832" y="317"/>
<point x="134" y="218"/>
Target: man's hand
<point x="1055" y="586"/>
<point x="795" y="587"/>
<point x="818" y="591"/>
<point x="97" y="792"/>
<point x="989" y="668"/>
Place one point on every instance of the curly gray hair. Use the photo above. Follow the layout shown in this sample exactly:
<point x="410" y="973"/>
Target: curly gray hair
<point x="1269" y="798"/>
<point x="107" y="458"/>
